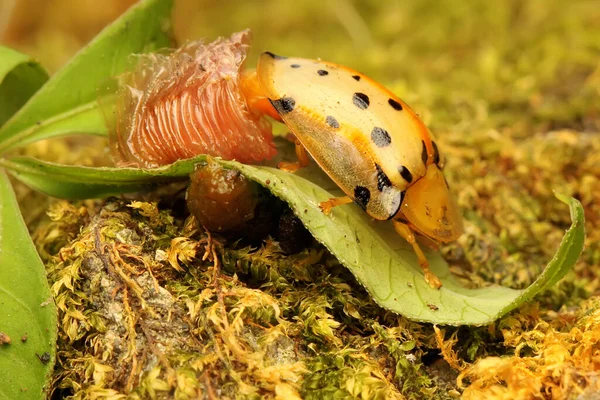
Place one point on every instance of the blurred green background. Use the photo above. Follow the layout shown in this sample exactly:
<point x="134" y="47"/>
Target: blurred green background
<point x="532" y="62"/>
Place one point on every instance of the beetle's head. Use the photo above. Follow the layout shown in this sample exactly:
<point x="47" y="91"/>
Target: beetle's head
<point x="431" y="209"/>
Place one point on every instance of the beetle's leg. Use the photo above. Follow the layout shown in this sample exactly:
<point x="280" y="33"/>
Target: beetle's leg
<point x="302" y="162"/>
<point x="326" y="206"/>
<point x="257" y="102"/>
<point x="403" y="230"/>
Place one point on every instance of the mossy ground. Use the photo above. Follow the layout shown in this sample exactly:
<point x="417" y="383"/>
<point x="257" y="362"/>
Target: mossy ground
<point x="511" y="89"/>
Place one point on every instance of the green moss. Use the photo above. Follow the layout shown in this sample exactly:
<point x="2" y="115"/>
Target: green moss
<point x="510" y="89"/>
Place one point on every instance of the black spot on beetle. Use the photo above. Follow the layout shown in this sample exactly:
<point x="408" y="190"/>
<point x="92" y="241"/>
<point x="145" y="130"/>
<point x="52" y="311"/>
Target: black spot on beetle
<point x="295" y="65"/>
<point x="405" y="173"/>
<point x="362" y="196"/>
<point x="275" y="56"/>
<point x="332" y="122"/>
<point x="380" y="137"/>
<point x="395" y="105"/>
<point x="436" y="153"/>
<point x="284" y="105"/>
<point x="322" y="72"/>
<point x="361" y="100"/>
<point x="424" y="153"/>
<point x="356" y="77"/>
<point x="382" y="180"/>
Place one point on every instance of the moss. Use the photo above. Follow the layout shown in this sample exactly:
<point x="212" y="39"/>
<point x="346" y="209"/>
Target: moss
<point x="555" y="354"/>
<point x="144" y="317"/>
<point x="153" y="307"/>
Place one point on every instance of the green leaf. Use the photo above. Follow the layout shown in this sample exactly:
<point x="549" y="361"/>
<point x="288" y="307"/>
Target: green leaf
<point x="68" y="104"/>
<point x="20" y="78"/>
<point x="386" y="265"/>
<point x="383" y="262"/>
<point x="74" y="182"/>
<point x="27" y="312"/>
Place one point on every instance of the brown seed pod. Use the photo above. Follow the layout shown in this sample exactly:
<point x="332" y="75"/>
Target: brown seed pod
<point x="226" y="202"/>
<point x="195" y="100"/>
<point x="222" y="200"/>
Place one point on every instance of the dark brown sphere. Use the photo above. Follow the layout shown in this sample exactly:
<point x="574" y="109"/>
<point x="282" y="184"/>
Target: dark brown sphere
<point x="222" y="200"/>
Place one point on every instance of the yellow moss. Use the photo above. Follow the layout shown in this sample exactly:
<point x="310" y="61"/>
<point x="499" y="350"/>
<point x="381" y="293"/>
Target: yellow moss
<point x="182" y="250"/>
<point x="511" y="95"/>
<point x="556" y="355"/>
<point x="446" y="345"/>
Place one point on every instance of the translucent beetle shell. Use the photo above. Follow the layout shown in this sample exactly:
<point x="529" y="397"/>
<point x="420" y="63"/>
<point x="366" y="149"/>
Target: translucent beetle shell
<point x="189" y="102"/>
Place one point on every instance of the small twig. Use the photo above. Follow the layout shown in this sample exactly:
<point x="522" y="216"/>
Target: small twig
<point x="210" y="392"/>
<point x="161" y="357"/>
<point x="132" y="339"/>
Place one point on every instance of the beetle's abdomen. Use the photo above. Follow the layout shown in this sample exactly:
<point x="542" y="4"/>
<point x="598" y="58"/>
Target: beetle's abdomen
<point x="187" y="103"/>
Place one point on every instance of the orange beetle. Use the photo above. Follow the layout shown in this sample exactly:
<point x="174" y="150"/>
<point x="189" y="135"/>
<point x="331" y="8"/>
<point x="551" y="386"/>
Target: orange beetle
<point x="376" y="149"/>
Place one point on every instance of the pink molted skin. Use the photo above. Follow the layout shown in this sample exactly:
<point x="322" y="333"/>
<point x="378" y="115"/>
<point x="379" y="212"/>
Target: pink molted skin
<point x="186" y="103"/>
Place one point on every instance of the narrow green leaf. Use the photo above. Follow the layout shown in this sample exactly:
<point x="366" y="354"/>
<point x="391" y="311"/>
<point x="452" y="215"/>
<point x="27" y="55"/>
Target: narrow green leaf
<point x="20" y="78"/>
<point x="27" y="312"/>
<point x="383" y="262"/>
<point x="68" y="104"/>
<point x="74" y="182"/>
<point x="565" y="257"/>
